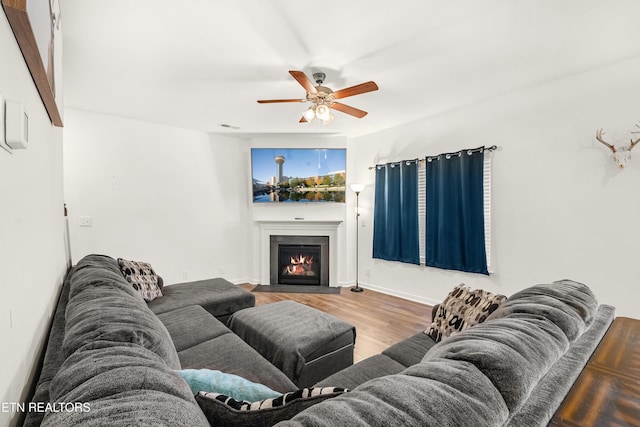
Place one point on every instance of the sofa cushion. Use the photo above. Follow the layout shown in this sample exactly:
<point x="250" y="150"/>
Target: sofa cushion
<point x="516" y="350"/>
<point x="123" y="384"/>
<point x="218" y="296"/>
<point x="102" y="306"/>
<point x="228" y="353"/>
<point x="411" y="350"/>
<point x="142" y="278"/>
<point x="363" y="371"/>
<point x="461" y="309"/>
<point x="570" y="305"/>
<point x="514" y="354"/>
<point x="435" y="393"/>
<point x="105" y="262"/>
<point x="191" y="326"/>
<point x="238" y="388"/>
<point x="551" y="390"/>
<point x="223" y="410"/>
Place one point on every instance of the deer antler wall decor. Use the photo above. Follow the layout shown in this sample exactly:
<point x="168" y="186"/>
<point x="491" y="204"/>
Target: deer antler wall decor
<point x="621" y="153"/>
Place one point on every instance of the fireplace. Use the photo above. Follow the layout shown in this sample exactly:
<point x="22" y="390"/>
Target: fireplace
<point x="299" y="260"/>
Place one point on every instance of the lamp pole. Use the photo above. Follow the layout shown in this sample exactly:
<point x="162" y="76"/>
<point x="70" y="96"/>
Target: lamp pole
<point x="357" y="188"/>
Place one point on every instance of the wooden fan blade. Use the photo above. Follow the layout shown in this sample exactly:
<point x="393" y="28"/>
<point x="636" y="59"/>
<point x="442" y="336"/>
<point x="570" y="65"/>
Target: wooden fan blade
<point x="303" y="119"/>
<point x="348" y="110"/>
<point x="303" y="80"/>
<point x="271" y="101"/>
<point x="355" y="90"/>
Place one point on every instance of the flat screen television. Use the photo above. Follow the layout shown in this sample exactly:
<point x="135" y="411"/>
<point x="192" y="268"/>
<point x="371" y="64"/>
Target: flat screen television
<point x="295" y="175"/>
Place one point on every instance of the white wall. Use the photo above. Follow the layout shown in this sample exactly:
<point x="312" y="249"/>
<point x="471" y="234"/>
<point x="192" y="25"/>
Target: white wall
<point x="560" y="207"/>
<point x="32" y="232"/>
<point x="173" y="197"/>
<point x="177" y="198"/>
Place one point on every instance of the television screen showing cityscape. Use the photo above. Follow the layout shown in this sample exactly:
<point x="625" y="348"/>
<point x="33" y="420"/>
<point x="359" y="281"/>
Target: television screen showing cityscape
<point x="298" y="175"/>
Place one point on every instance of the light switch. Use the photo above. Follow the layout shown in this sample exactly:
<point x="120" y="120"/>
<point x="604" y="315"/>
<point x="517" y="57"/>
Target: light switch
<point x="16" y="125"/>
<point x="85" y="221"/>
<point x="3" y="143"/>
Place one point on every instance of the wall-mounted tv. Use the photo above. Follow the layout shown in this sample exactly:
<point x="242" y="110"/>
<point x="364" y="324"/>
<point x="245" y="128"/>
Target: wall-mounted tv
<point x="286" y="175"/>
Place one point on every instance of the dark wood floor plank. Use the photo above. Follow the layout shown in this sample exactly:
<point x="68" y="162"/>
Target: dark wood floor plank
<point x="380" y="319"/>
<point x="607" y="392"/>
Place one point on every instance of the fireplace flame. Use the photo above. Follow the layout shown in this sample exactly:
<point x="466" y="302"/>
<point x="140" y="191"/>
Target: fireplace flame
<point x="300" y="265"/>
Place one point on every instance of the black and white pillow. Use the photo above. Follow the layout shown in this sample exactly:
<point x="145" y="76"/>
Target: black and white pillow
<point x="222" y="410"/>
<point x="142" y="278"/>
<point x="462" y="309"/>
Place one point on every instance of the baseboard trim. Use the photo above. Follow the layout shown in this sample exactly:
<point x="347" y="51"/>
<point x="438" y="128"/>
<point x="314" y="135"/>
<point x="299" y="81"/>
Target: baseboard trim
<point x="403" y="295"/>
<point x="381" y="289"/>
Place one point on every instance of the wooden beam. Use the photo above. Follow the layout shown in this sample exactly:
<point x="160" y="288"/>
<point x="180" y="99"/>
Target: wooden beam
<point x="16" y="11"/>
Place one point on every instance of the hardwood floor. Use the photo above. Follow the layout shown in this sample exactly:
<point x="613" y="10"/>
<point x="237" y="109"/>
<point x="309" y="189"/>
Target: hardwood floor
<point x="607" y="391"/>
<point x="380" y="319"/>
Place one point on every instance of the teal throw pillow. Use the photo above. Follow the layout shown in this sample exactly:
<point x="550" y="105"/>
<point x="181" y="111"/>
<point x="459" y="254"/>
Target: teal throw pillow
<point x="231" y="385"/>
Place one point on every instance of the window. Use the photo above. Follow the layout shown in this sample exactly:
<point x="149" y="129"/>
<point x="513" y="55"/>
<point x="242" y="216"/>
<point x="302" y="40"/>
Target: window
<point x="435" y="212"/>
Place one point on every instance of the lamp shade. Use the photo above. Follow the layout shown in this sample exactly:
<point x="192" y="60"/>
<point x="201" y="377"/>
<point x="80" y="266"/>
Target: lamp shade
<point x="356" y="188"/>
<point x="322" y="111"/>
<point x="309" y="114"/>
<point x="329" y="120"/>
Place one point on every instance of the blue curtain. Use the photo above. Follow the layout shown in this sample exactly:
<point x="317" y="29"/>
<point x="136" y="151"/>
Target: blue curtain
<point x="395" y="213"/>
<point x="455" y="212"/>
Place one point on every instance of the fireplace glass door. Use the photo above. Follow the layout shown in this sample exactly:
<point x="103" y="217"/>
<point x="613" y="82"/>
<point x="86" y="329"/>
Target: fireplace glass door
<point x="299" y="264"/>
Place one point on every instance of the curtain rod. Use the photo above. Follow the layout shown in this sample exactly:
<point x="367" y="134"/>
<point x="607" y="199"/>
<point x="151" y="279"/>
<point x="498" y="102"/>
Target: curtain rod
<point x="455" y="153"/>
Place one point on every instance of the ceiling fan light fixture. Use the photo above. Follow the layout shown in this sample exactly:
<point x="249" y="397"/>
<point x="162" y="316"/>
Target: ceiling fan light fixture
<point x="309" y="114"/>
<point x="323" y="99"/>
<point x="323" y="112"/>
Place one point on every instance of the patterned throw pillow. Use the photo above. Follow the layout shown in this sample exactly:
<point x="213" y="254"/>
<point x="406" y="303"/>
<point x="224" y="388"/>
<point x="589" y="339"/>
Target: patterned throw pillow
<point x="223" y="410"/>
<point x="462" y="309"/>
<point x="142" y="278"/>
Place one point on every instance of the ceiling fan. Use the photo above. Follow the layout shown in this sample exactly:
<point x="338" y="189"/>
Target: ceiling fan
<point x="324" y="99"/>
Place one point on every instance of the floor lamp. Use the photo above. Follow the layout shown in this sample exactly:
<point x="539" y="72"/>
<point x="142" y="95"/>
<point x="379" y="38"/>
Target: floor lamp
<point x="357" y="188"/>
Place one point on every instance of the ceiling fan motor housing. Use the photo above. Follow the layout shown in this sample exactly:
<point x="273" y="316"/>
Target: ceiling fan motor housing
<point x="319" y="77"/>
<point x="323" y="96"/>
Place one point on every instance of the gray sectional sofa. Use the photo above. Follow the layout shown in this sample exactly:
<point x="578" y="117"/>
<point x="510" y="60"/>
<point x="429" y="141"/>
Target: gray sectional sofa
<point x="512" y="370"/>
<point x="109" y="349"/>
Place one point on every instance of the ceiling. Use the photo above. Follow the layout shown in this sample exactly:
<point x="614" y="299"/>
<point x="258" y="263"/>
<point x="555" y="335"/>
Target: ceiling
<point x="201" y="64"/>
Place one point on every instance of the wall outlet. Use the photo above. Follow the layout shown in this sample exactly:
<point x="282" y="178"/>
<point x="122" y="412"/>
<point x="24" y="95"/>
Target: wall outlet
<point x="221" y="269"/>
<point x="85" y="221"/>
<point x="185" y="274"/>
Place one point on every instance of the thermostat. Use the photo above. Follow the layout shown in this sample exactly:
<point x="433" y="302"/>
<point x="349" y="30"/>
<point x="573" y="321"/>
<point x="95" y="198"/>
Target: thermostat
<point x="16" y="125"/>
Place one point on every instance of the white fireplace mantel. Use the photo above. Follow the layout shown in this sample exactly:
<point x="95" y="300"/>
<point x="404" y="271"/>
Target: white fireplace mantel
<point x="270" y="228"/>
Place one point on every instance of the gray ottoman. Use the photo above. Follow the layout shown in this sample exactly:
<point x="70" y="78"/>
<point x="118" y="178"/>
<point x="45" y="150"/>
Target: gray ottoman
<point x="306" y="344"/>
